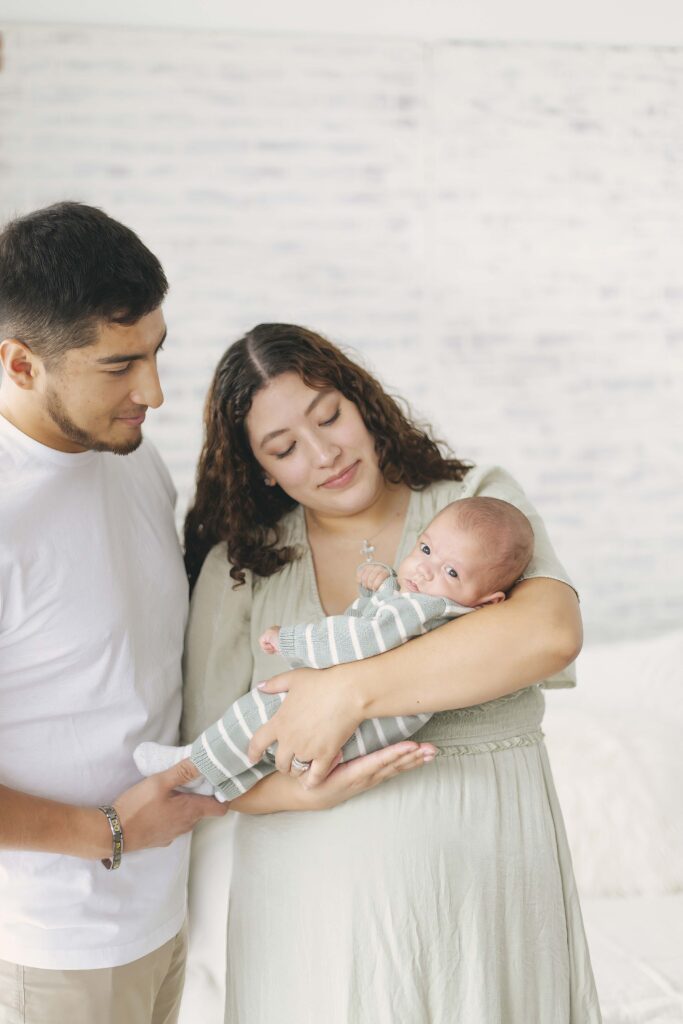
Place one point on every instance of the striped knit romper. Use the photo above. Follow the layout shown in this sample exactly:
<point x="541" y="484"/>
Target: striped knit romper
<point x="374" y="623"/>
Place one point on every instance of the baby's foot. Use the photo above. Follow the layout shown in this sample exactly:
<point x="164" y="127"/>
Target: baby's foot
<point x="151" y="758"/>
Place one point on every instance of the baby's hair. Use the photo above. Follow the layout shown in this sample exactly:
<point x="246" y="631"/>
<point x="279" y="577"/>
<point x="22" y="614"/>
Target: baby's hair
<point x="505" y="533"/>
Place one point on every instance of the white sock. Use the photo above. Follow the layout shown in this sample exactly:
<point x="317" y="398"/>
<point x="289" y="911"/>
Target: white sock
<point x="151" y="758"/>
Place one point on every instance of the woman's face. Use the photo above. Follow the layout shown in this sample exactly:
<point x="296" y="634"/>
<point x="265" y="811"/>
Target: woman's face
<point x="315" y="445"/>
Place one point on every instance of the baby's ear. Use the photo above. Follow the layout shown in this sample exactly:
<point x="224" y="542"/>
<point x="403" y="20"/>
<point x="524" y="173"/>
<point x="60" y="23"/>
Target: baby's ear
<point x="492" y="598"/>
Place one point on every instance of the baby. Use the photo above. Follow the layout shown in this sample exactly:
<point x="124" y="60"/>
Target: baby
<point x="469" y="556"/>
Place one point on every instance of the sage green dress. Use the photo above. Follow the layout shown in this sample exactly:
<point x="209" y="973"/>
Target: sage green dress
<point x="444" y="896"/>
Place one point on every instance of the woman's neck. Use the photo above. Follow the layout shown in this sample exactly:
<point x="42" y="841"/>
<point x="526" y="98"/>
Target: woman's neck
<point x="389" y="505"/>
<point x="339" y="543"/>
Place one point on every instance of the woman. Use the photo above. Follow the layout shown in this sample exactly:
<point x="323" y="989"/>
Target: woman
<point x="444" y="895"/>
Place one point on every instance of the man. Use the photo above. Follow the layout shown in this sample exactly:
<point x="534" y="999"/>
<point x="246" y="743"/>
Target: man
<point x="93" y="603"/>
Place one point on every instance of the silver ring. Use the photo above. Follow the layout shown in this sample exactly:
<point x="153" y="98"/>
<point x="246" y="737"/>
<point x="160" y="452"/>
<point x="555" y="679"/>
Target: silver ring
<point x="299" y="766"/>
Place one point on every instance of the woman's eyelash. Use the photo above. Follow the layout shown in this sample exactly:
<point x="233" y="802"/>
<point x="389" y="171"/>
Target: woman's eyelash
<point x="281" y="455"/>
<point x="325" y="423"/>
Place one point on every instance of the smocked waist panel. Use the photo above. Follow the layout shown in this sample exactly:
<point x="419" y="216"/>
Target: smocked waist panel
<point x="515" y="715"/>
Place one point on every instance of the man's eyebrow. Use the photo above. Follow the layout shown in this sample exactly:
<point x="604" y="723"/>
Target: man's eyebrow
<point x="130" y="357"/>
<point x="309" y="409"/>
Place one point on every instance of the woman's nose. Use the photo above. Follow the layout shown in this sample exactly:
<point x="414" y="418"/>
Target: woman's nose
<point x="326" y="452"/>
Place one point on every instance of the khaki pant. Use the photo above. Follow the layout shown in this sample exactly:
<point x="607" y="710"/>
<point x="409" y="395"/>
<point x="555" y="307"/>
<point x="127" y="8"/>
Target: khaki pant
<point x="146" y="991"/>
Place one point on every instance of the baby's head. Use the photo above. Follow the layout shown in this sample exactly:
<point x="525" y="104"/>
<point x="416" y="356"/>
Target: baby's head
<point x="471" y="552"/>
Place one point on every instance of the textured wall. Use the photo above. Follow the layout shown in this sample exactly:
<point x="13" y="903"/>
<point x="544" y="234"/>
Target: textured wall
<point x="498" y="230"/>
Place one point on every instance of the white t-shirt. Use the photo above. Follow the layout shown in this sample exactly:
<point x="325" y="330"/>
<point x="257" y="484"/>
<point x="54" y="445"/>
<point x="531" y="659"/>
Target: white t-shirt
<point x="93" y="606"/>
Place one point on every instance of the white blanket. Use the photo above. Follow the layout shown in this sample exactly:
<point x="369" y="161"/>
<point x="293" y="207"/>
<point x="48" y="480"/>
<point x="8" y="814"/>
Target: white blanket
<point x="637" y="952"/>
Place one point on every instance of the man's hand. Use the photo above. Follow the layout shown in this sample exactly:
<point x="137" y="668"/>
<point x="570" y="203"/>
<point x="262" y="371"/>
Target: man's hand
<point x="371" y="575"/>
<point x="269" y="641"/>
<point x="152" y="813"/>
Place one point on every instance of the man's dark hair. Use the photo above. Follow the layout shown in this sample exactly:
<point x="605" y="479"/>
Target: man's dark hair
<point x="67" y="268"/>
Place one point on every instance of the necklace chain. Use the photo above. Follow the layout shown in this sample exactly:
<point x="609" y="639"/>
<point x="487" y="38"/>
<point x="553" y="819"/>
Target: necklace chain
<point x="367" y="548"/>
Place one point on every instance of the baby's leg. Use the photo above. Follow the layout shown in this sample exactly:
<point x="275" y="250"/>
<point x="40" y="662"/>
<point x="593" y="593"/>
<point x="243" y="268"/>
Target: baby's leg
<point x="369" y="736"/>
<point x="375" y="733"/>
<point x="151" y="758"/>
<point x="220" y="753"/>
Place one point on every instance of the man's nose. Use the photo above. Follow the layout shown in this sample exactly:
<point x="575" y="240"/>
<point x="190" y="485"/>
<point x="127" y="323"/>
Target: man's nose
<point x="147" y="390"/>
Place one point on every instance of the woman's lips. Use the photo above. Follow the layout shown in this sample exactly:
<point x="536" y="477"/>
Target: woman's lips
<point x="343" y="478"/>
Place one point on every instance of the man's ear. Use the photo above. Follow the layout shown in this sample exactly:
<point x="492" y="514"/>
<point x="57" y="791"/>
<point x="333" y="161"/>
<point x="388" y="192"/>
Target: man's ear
<point x="492" y="598"/>
<point x="19" y="363"/>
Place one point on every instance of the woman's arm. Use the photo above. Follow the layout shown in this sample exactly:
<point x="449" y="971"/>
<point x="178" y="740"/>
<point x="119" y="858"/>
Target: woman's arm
<point x="282" y="793"/>
<point x="498" y="650"/>
<point x="495" y="651"/>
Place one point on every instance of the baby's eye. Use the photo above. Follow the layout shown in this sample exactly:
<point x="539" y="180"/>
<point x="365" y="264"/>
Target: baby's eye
<point x="424" y="548"/>
<point x="452" y="573"/>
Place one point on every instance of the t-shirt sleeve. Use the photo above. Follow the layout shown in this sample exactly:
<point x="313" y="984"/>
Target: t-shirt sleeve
<point x="218" y="663"/>
<point x="495" y="482"/>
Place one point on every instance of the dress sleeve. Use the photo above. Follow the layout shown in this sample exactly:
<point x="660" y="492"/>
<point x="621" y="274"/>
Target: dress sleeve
<point x="218" y="663"/>
<point x="494" y="482"/>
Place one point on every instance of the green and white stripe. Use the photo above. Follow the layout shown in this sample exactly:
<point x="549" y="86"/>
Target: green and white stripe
<point x="373" y="624"/>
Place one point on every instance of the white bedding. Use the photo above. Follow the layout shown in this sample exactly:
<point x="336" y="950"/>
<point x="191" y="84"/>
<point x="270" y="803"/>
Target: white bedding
<point x="637" y="952"/>
<point x="616" y="752"/>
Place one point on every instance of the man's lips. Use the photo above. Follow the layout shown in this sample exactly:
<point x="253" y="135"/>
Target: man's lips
<point x="133" y="421"/>
<point x="340" y="479"/>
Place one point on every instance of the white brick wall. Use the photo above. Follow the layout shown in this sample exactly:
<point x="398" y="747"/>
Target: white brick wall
<point x="497" y="229"/>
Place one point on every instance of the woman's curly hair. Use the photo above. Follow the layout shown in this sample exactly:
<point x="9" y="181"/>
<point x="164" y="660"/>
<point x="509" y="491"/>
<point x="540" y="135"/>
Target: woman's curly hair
<point x="233" y="503"/>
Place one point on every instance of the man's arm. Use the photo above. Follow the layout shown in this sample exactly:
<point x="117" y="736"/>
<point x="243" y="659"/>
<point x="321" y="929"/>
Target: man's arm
<point x="33" y="823"/>
<point x="152" y="814"/>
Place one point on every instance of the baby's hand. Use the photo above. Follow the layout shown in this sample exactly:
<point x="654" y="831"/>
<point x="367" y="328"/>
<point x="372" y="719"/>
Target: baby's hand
<point x="371" y="576"/>
<point x="269" y="641"/>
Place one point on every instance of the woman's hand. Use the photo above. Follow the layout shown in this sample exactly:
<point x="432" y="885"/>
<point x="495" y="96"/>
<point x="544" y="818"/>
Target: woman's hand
<point x="354" y="777"/>
<point x="282" y="793"/>
<point x="313" y="724"/>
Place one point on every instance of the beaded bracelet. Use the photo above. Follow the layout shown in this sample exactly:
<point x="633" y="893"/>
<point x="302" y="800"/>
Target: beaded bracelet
<point x="113" y="862"/>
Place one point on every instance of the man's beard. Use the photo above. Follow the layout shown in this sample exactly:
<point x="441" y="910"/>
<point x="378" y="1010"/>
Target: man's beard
<point x="58" y="414"/>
